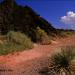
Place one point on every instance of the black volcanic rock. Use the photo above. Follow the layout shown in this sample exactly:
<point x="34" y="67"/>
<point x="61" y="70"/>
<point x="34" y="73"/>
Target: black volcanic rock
<point x="24" y="19"/>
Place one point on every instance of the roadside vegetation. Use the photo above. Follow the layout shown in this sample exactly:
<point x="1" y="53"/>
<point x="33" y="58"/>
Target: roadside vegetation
<point x="17" y="41"/>
<point x="64" y="33"/>
<point x="14" y="42"/>
<point x="61" y="63"/>
<point x="42" y="37"/>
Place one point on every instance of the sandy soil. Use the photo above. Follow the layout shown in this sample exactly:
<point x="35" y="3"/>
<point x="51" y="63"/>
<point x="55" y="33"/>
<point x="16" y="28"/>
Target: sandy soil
<point x="30" y="61"/>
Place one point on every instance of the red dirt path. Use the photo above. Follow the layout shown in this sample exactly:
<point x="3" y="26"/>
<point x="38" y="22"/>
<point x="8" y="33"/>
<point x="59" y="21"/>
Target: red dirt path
<point x="30" y="61"/>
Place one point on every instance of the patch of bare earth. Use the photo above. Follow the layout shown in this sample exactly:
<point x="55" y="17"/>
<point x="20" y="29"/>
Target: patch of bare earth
<point x="30" y="61"/>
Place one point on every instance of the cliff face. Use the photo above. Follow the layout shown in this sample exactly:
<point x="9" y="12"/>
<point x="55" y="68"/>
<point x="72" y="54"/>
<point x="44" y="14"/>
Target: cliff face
<point x="24" y="19"/>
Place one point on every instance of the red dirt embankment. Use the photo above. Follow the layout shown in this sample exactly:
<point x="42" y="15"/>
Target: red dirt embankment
<point x="30" y="61"/>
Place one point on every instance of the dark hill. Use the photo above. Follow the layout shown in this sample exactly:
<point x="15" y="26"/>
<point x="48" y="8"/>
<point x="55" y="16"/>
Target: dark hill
<point x="24" y="19"/>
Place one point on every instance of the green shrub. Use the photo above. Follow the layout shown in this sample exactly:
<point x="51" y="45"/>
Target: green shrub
<point x="64" y="34"/>
<point x="19" y="38"/>
<point x="16" y="41"/>
<point x="42" y="36"/>
<point x="62" y="62"/>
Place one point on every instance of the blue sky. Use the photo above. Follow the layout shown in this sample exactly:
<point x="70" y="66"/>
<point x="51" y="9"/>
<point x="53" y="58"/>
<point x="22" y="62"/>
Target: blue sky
<point x="52" y="10"/>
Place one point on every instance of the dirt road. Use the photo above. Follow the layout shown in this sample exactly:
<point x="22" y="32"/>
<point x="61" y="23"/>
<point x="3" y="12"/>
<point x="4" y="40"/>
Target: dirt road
<point x="29" y="62"/>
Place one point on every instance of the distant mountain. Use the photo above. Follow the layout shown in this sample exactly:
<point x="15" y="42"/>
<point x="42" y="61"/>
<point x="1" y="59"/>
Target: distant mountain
<point x="24" y="19"/>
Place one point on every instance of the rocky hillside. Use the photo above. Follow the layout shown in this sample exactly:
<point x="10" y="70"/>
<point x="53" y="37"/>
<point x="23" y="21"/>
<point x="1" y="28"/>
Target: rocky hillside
<point x="23" y="19"/>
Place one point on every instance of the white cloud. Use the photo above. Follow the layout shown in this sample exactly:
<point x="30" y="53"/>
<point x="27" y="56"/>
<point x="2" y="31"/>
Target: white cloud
<point x="69" y="18"/>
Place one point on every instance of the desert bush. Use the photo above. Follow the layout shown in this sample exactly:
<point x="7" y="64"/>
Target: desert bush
<point x="7" y="48"/>
<point x="42" y="36"/>
<point x="19" y="38"/>
<point x="64" y="33"/>
<point x="16" y="41"/>
<point x="62" y="63"/>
